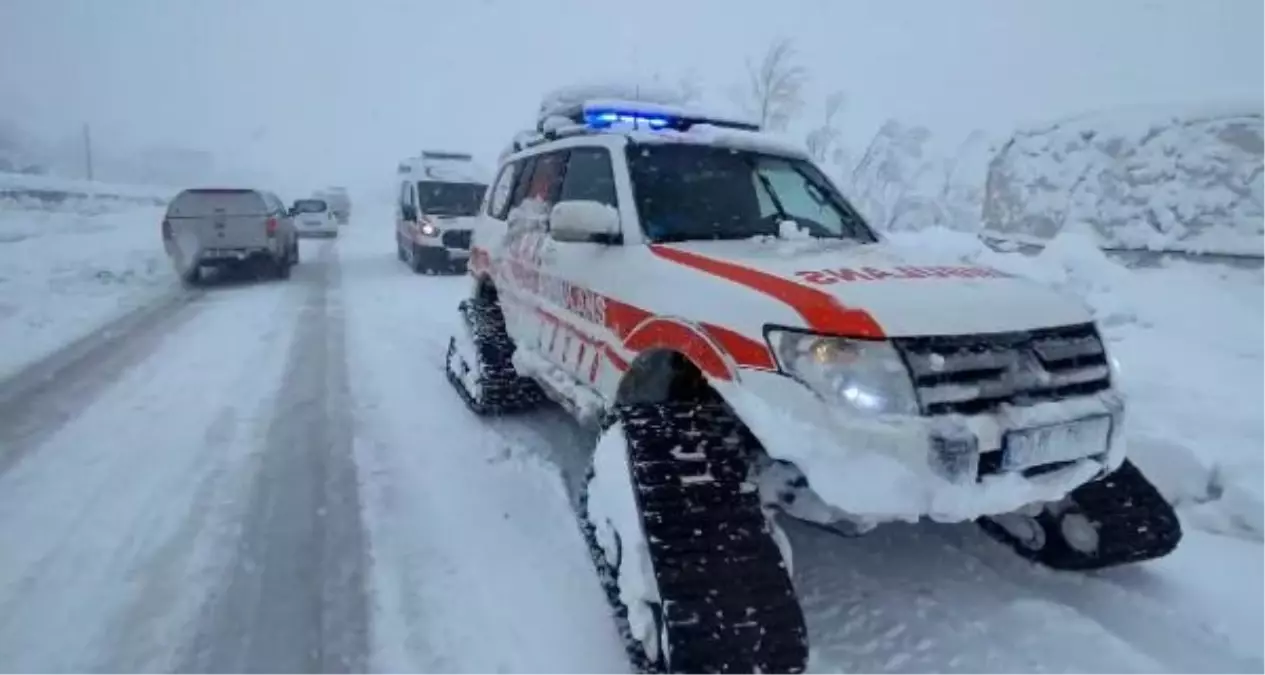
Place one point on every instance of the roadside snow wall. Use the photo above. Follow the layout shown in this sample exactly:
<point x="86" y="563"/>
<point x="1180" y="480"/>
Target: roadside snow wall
<point x="1140" y="178"/>
<point x="33" y="191"/>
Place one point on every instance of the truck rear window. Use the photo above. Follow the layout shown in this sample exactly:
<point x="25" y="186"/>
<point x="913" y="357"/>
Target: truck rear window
<point x="217" y="201"/>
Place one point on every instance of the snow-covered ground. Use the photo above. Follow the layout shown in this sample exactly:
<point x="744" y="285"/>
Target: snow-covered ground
<point x="63" y="272"/>
<point x="277" y="476"/>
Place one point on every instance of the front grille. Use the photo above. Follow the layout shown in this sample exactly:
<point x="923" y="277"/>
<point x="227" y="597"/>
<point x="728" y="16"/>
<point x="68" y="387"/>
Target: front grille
<point x="975" y="374"/>
<point x="457" y="239"/>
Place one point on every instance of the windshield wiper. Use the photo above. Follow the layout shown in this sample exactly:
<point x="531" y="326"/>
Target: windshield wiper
<point x="777" y="203"/>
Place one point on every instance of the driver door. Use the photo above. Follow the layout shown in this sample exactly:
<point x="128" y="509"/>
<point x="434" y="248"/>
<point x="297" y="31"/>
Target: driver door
<point x="575" y="271"/>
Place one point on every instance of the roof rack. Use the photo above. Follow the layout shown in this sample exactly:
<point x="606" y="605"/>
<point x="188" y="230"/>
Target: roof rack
<point x="578" y="118"/>
<point x="440" y="154"/>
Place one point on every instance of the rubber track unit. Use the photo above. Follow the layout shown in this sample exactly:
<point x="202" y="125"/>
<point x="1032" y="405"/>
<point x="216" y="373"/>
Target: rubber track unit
<point x="504" y="390"/>
<point x="1134" y="522"/>
<point x="729" y="605"/>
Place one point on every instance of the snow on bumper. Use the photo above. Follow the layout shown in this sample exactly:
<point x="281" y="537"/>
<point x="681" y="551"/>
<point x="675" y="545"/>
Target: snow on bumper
<point x="947" y="468"/>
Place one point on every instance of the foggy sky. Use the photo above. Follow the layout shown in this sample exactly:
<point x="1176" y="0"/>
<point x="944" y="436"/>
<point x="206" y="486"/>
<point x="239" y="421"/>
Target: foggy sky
<point x="338" y="90"/>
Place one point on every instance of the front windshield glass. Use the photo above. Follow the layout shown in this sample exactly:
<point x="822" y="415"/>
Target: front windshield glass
<point x="691" y="192"/>
<point x="450" y="199"/>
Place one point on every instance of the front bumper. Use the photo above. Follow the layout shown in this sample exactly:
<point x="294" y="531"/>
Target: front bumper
<point x="455" y="242"/>
<point x="230" y="256"/>
<point x="944" y="467"/>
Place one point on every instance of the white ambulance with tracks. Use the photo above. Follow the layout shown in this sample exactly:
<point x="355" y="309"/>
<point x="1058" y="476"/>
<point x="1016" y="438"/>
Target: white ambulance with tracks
<point x="748" y="344"/>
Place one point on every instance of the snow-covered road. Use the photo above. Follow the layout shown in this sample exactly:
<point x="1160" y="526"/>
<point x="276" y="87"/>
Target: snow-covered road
<point x="277" y="477"/>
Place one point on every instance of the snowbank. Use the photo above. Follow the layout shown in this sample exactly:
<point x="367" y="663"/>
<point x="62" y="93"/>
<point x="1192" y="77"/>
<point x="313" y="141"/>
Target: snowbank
<point x="64" y="273"/>
<point x="1188" y="180"/>
<point x="32" y="190"/>
<point x="1189" y="341"/>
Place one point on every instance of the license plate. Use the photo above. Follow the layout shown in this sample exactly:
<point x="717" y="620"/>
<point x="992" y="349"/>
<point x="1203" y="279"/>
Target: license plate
<point x="1065" y="442"/>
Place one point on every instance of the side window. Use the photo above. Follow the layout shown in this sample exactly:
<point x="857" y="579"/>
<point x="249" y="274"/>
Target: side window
<point x="498" y="203"/>
<point x="546" y="180"/>
<point x="539" y="184"/>
<point x="589" y="177"/>
<point x="524" y="179"/>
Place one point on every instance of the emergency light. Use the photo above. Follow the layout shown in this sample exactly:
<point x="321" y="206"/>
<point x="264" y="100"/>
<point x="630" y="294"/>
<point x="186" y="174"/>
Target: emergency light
<point x="599" y="115"/>
<point x="601" y="119"/>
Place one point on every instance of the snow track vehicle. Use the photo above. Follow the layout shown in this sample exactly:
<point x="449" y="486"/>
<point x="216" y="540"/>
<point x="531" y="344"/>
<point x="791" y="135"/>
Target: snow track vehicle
<point x="747" y="345"/>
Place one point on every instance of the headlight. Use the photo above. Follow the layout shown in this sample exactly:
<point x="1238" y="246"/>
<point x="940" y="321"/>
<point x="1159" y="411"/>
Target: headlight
<point x="868" y="376"/>
<point x="429" y="230"/>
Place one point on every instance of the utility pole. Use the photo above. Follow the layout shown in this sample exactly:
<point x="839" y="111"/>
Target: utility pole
<point x="87" y="150"/>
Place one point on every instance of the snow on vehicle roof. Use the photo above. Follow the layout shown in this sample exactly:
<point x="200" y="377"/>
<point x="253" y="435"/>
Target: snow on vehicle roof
<point x="737" y="139"/>
<point x="644" y="115"/>
<point x="570" y="96"/>
<point x="444" y="166"/>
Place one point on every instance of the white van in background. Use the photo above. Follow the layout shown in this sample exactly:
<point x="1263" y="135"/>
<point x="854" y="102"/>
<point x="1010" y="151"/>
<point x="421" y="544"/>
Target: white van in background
<point x="437" y="205"/>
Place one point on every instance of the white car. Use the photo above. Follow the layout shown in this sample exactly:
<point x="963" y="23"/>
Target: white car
<point x="748" y="345"/>
<point x="314" y="218"/>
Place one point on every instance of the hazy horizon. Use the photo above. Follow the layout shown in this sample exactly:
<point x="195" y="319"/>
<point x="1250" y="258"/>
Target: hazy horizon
<point x="337" y="91"/>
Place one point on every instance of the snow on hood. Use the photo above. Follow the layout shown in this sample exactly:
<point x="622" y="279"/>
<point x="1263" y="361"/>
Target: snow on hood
<point x="908" y="290"/>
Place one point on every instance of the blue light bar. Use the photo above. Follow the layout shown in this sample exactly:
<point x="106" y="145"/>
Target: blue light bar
<point x="602" y="119"/>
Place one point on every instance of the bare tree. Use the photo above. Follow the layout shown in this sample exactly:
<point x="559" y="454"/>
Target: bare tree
<point x="822" y="140"/>
<point x="774" y="89"/>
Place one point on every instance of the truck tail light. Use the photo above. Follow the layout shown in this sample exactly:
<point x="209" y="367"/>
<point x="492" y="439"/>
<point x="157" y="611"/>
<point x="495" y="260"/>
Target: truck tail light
<point x="271" y="227"/>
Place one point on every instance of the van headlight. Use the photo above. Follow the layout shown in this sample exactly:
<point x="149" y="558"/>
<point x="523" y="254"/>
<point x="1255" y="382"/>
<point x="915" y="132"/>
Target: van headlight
<point x="866" y="375"/>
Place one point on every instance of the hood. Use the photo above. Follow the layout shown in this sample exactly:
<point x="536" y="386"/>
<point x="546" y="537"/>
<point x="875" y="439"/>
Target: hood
<point x="905" y="291"/>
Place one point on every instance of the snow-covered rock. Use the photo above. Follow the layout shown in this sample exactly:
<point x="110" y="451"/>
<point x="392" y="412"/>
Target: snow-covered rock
<point x="1142" y="178"/>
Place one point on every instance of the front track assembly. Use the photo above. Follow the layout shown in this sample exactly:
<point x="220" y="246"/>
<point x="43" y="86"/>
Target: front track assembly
<point x="727" y="600"/>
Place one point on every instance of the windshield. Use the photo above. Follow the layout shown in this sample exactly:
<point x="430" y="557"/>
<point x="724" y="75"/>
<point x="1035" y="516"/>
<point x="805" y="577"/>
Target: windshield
<point x="309" y="206"/>
<point x="450" y="199"/>
<point x="690" y="192"/>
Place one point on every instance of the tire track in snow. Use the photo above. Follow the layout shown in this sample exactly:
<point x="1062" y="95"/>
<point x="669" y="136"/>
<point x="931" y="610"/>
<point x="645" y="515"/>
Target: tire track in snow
<point x="1165" y="632"/>
<point x="39" y="399"/>
<point x="477" y="562"/>
<point x="295" y="599"/>
<point x="122" y="513"/>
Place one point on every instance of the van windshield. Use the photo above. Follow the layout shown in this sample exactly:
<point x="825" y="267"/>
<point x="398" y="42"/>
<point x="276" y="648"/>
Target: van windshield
<point x="450" y="199"/>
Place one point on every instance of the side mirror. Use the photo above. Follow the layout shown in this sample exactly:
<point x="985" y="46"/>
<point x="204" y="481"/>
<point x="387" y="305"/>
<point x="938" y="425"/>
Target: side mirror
<point x="584" y="221"/>
<point x="408" y="212"/>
